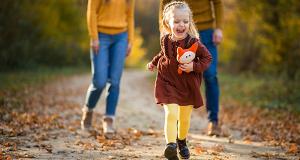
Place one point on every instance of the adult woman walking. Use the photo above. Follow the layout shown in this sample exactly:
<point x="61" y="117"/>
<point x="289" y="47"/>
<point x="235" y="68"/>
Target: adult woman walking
<point x="111" y="29"/>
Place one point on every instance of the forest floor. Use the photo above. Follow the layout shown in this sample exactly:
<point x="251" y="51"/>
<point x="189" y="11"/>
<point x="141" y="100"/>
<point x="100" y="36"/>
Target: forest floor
<point x="44" y="123"/>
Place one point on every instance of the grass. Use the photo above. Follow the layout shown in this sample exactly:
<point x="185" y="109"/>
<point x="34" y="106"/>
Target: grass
<point x="262" y="91"/>
<point x="18" y="80"/>
<point x="259" y="91"/>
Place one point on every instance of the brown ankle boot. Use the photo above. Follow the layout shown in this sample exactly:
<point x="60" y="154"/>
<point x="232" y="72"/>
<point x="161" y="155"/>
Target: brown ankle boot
<point x="86" y="121"/>
<point x="213" y="129"/>
<point x="108" y="127"/>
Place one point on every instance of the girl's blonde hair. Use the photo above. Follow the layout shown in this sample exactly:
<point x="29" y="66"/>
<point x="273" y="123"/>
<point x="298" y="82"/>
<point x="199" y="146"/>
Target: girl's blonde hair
<point x="167" y="12"/>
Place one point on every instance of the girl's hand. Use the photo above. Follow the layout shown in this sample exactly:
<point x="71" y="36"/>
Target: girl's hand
<point x="150" y="66"/>
<point x="188" y="67"/>
<point x="218" y="36"/>
<point x="128" y="49"/>
<point x="95" y="46"/>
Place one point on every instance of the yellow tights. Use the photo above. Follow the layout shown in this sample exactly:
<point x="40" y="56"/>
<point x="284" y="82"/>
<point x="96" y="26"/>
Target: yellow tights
<point x="174" y="113"/>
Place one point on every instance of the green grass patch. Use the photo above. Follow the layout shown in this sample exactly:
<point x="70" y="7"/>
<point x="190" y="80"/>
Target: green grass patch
<point x="17" y="80"/>
<point x="262" y="91"/>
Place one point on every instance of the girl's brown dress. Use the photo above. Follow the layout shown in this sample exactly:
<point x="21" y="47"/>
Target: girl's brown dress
<point x="172" y="88"/>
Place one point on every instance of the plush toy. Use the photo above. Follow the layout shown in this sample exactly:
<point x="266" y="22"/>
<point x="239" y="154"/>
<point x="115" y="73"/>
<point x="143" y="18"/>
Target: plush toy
<point x="186" y="55"/>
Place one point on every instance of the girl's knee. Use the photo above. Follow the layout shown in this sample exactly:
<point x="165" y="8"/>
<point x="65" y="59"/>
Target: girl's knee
<point x="184" y="120"/>
<point x="171" y="112"/>
<point x="185" y="114"/>
<point x="171" y="116"/>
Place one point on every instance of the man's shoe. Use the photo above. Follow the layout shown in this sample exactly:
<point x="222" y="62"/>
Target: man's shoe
<point x="171" y="151"/>
<point x="213" y="129"/>
<point x="86" y="120"/>
<point x="183" y="149"/>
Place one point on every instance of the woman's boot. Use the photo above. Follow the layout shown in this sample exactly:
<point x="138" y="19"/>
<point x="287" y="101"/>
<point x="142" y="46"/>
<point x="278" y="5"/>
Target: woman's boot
<point x="87" y="116"/>
<point x="108" y="127"/>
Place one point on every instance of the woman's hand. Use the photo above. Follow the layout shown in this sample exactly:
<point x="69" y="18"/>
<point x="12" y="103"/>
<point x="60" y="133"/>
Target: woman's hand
<point x="128" y="49"/>
<point x="95" y="46"/>
<point x="150" y="66"/>
<point x="218" y="36"/>
<point x="188" y="67"/>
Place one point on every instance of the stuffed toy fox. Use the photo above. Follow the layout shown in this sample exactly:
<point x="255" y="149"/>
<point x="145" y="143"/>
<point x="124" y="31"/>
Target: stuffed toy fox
<point x="186" y="55"/>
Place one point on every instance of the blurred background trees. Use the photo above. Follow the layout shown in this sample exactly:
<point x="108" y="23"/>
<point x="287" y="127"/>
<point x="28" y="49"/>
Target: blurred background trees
<point x="41" y="33"/>
<point x="261" y="39"/>
<point x="262" y="36"/>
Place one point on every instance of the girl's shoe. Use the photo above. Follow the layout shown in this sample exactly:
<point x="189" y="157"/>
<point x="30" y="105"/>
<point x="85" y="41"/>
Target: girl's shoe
<point x="183" y="149"/>
<point x="171" y="151"/>
<point x="86" y="120"/>
<point x="108" y="127"/>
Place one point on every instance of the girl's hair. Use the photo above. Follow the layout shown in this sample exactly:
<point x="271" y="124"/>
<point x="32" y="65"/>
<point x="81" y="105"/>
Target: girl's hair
<point x="167" y="12"/>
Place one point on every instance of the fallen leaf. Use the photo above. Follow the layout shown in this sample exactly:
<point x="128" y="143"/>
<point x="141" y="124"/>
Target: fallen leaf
<point x="247" y="139"/>
<point x="264" y="155"/>
<point x="137" y="133"/>
<point x="293" y="149"/>
<point x="87" y="146"/>
<point x="8" y="157"/>
<point x="218" y="148"/>
<point x="78" y="142"/>
<point x="199" y="150"/>
<point x="230" y="140"/>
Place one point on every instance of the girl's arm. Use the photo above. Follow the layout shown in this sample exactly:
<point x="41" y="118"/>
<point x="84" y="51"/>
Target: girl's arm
<point x="153" y="64"/>
<point x="93" y="6"/>
<point x="161" y="53"/>
<point x="204" y="61"/>
<point x="156" y="58"/>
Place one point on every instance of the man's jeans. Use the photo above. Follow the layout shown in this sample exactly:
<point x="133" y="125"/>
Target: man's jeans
<point x="107" y="67"/>
<point x="210" y="77"/>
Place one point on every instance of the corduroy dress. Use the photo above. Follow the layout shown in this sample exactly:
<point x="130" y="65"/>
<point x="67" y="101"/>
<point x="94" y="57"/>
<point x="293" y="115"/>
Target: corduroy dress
<point x="172" y="88"/>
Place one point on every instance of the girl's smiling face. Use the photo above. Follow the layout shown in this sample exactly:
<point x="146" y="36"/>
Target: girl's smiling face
<point x="179" y="24"/>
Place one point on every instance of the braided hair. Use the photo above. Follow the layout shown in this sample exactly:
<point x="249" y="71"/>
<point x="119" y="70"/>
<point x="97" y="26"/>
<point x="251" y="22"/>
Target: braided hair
<point x="167" y="13"/>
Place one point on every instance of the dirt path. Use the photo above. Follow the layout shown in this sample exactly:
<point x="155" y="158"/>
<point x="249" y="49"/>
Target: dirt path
<point x="139" y="123"/>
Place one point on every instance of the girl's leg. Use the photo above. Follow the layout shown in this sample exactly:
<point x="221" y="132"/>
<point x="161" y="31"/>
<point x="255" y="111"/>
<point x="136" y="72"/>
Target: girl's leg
<point x="117" y="55"/>
<point x="184" y="121"/>
<point x="171" y="117"/>
<point x="183" y="129"/>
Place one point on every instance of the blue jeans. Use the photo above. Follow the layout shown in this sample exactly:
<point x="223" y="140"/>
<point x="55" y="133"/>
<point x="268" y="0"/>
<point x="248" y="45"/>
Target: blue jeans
<point x="210" y="77"/>
<point x="107" y="67"/>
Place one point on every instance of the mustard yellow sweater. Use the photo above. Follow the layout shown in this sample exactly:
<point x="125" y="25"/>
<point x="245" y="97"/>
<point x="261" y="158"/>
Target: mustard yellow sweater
<point x="206" y="13"/>
<point x="111" y="17"/>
